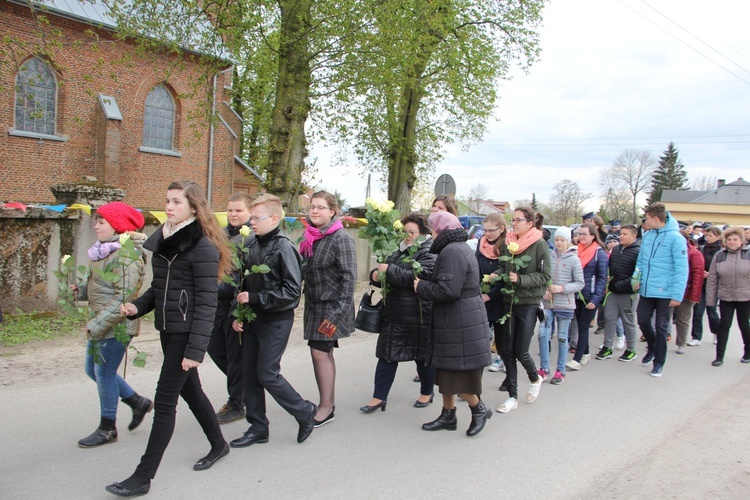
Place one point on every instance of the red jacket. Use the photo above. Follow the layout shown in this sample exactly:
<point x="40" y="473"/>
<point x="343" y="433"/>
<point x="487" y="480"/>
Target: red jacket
<point x="695" y="275"/>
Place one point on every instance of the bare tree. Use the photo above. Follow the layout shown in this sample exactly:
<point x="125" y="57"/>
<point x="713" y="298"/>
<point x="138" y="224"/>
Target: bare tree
<point x="631" y="171"/>
<point x="477" y="195"/>
<point x="704" y="183"/>
<point x="567" y="201"/>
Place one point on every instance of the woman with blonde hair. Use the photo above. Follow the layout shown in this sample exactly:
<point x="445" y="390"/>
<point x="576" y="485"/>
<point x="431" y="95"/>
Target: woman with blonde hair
<point x="190" y="255"/>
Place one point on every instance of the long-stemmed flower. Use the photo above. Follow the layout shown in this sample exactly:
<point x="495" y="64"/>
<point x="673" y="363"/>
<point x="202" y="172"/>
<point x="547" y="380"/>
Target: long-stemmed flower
<point x="384" y="232"/>
<point x="242" y="311"/>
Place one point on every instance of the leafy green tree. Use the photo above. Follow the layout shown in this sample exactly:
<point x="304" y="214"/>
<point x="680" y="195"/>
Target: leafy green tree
<point x="422" y="74"/>
<point x="669" y="174"/>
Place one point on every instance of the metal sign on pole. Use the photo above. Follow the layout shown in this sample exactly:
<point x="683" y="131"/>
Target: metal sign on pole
<point x="445" y="185"/>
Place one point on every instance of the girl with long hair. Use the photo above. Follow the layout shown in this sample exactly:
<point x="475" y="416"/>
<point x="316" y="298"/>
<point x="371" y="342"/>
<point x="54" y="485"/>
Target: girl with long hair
<point x="522" y="299"/>
<point x="190" y="256"/>
<point x="595" y="266"/>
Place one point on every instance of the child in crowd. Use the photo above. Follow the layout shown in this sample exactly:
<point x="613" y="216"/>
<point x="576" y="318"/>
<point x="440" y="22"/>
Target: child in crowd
<point x="224" y="347"/>
<point x="104" y="352"/>
<point x="273" y="296"/>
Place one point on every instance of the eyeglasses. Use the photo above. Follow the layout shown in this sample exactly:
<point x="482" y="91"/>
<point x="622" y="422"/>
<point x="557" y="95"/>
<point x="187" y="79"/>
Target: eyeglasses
<point x="253" y="220"/>
<point x="486" y="230"/>
<point x="514" y="220"/>
<point x="583" y="234"/>
<point x="317" y="207"/>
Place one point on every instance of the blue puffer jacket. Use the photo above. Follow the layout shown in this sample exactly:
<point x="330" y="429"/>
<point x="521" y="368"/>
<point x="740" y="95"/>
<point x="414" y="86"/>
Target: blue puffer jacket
<point x="663" y="263"/>
<point x="595" y="277"/>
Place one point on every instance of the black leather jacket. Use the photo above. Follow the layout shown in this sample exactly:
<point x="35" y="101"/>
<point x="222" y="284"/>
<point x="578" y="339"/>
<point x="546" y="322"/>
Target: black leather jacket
<point x="278" y="290"/>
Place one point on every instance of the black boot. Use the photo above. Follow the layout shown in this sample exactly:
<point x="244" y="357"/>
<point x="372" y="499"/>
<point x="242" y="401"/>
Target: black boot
<point x="446" y="421"/>
<point x="106" y="433"/>
<point x="140" y="406"/>
<point x="479" y="416"/>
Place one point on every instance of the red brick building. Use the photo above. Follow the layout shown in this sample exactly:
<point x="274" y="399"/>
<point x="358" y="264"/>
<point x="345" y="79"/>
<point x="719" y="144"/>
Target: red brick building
<point x="95" y="106"/>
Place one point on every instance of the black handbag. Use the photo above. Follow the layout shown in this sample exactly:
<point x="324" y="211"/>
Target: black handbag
<point x="369" y="315"/>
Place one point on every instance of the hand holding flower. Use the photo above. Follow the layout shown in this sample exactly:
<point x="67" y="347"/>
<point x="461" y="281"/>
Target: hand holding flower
<point x="243" y="297"/>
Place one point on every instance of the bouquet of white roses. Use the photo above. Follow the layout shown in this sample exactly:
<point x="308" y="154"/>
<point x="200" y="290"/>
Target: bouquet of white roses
<point x="384" y="232"/>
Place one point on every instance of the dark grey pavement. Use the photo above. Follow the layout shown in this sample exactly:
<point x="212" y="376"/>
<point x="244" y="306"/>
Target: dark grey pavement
<point x="610" y="431"/>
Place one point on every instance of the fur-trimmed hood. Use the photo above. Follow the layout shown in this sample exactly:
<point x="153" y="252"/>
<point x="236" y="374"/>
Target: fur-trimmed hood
<point x="181" y="241"/>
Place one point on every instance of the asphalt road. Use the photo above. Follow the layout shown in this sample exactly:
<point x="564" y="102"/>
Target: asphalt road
<point x="610" y="431"/>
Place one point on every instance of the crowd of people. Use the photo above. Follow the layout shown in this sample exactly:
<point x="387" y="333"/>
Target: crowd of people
<point x="449" y="307"/>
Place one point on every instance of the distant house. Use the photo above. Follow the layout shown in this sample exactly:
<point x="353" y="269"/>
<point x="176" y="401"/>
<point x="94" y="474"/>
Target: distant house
<point x="482" y="207"/>
<point x="727" y="204"/>
<point x="96" y="107"/>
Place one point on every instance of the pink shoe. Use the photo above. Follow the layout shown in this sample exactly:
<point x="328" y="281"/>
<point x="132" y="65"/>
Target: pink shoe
<point x="558" y="379"/>
<point x="543" y="374"/>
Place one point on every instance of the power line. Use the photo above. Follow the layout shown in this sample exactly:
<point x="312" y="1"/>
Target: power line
<point x="691" y="34"/>
<point x="685" y="43"/>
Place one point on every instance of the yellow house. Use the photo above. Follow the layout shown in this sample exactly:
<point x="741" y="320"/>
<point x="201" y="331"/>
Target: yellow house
<point x="727" y="204"/>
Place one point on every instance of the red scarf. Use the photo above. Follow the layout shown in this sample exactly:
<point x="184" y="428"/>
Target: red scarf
<point x="488" y="249"/>
<point x="313" y="234"/>
<point x="587" y="253"/>
<point x="525" y="241"/>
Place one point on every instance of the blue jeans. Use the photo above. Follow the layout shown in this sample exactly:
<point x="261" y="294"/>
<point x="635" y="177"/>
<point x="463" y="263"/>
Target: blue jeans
<point x="104" y="373"/>
<point x="545" y="332"/>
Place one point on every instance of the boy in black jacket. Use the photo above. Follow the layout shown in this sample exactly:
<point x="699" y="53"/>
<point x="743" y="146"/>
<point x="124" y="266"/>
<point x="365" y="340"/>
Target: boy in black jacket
<point x="273" y="294"/>
<point x="224" y="347"/>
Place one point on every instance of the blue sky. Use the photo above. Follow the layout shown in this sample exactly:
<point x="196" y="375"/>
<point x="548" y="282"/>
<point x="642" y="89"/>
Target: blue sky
<point x="613" y="75"/>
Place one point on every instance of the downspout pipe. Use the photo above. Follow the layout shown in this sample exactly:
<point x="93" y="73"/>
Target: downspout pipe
<point x="210" y="183"/>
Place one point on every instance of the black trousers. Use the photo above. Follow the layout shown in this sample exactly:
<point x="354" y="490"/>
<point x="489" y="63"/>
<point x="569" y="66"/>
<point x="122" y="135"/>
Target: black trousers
<point x="656" y="338"/>
<point x="699" y="310"/>
<point x="173" y="383"/>
<point x="226" y="352"/>
<point x="263" y="344"/>
<point x="583" y="320"/>
<point x="385" y="373"/>
<point x="726" y="312"/>
<point x="515" y="340"/>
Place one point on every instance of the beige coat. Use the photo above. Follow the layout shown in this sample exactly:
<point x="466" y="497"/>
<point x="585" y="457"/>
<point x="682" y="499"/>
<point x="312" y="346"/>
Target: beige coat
<point x="729" y="277"/>
<point x="105" y="295"/>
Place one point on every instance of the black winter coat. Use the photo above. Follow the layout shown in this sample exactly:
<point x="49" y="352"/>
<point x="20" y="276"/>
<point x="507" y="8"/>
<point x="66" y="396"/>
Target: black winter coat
<point x="709" y="250"/>
<point x="406" y="329"/>
<point x="183" y="291"/>
<point x="459" y="333"/>
<point x="494" y="306"/>
<point x="621" y="267"/>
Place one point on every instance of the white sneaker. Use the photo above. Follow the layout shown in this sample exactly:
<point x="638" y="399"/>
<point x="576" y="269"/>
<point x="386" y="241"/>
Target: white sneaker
<point x="585" y="359"/>
<point x="496" y="365"/>
<point x="573" y="365"/>
<point x="534" y="390"/>
<point x="620" y="343"/>
<point x="680" y="349"/>
<point x="510" y="404"/>
<point x="694" y="342"/>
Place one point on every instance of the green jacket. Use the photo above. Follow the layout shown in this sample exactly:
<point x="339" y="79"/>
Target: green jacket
<point x="532" y="279"/>
<point x="105" y="296"/>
